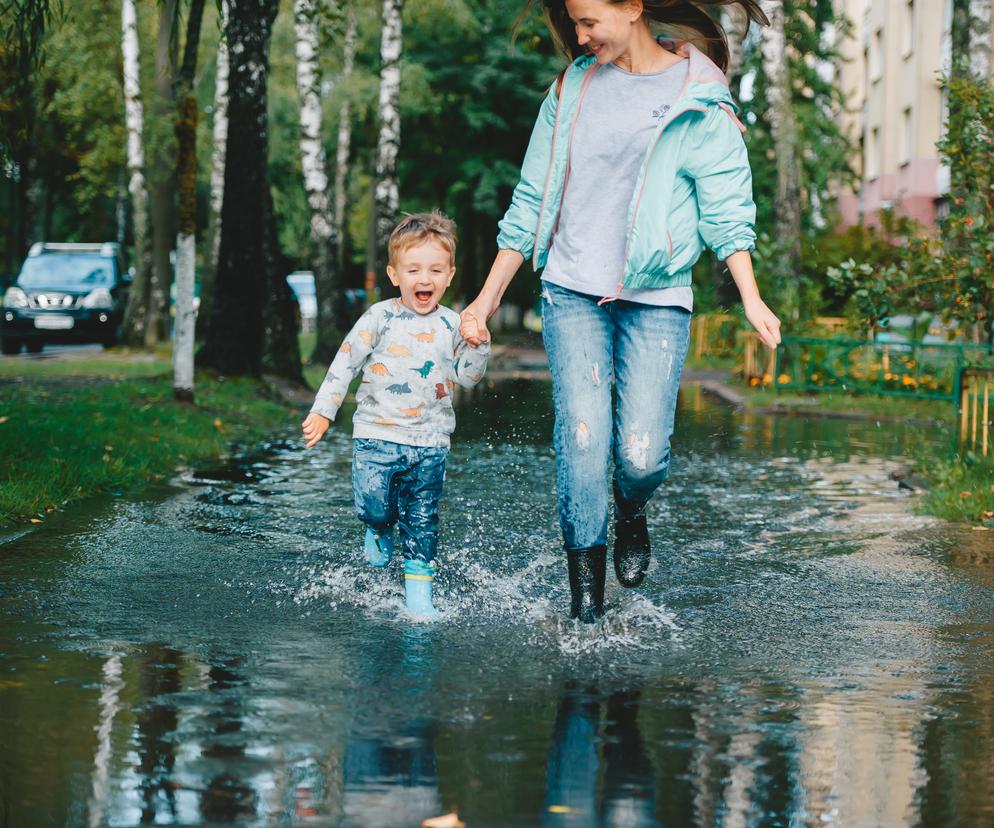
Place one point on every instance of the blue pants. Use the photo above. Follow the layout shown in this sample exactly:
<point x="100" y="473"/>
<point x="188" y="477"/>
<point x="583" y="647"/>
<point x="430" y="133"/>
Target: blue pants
<point x="397" y="484"/>
<point x="638" y="348"/>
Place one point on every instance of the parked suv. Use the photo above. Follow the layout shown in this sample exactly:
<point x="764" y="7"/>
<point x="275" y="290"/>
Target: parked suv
<point x="65" y="293"/>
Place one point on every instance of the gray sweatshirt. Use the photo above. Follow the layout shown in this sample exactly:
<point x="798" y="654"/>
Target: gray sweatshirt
<point x="410" y="363"/>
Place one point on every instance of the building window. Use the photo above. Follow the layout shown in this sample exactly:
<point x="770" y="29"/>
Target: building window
<point x="907" y="138"/>
<point x="872" y="161"/>
<point x="876" y="55"/>
<point x="908" y="29"/>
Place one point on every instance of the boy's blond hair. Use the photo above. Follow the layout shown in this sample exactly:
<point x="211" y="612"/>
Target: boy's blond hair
<point x="418" y="228"/>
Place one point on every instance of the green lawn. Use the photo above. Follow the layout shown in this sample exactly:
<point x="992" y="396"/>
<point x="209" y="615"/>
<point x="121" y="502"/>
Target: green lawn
<point x="73" y="428"/>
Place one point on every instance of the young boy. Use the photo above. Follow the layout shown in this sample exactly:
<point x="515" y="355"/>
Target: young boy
<point x="411" y="356"/>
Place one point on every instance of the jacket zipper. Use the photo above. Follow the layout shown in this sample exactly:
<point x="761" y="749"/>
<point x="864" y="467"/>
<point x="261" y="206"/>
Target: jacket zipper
<point x="552" y="157"/>
<point x="638" y="199"/>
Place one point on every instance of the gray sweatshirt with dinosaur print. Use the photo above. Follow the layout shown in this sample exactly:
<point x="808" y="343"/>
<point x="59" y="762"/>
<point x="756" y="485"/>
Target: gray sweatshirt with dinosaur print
<point x="410" y="364"/>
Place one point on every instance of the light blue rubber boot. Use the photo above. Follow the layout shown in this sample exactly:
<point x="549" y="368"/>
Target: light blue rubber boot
<point x="378" y="547"/>
<point x="418" y="577"/>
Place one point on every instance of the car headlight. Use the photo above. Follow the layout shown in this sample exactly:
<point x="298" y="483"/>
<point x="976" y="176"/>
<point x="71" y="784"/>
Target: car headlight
<point x="15" y="298"/>
<point x="99" y="298"/>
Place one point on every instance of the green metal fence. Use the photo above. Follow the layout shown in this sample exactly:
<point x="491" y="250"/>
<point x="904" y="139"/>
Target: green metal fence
<point x="899" y="369"/>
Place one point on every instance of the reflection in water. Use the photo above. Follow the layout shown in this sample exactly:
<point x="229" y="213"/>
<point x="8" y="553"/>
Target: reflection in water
<point x="155" y="725"/>
<point x="392" y="778"/>
<point x="805" y="650"/>
<point x="574" y="764"/>
<point x="228" y="794"/>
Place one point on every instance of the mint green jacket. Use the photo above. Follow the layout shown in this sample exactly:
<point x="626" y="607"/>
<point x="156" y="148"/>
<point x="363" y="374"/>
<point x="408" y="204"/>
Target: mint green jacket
<point x="694" y="187"/>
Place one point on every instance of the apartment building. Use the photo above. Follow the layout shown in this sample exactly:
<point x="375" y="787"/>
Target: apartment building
<point x="889" y="75"/>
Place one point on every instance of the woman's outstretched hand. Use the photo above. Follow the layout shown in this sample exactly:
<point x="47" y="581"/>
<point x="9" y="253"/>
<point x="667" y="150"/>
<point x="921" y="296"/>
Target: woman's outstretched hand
<point x="473" y="324"/>
<point x="765" y="322"/>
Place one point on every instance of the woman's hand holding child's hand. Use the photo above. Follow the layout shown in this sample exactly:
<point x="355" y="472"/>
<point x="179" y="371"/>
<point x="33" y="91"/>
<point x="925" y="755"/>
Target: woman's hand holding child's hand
<point x="314" y="428"/>
<point x="473" y="326"/>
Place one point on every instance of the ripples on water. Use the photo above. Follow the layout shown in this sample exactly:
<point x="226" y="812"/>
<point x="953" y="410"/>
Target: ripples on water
<point x="806" y="650"/>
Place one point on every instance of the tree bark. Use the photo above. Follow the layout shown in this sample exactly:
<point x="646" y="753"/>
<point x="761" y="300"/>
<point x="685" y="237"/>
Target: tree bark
<point x="251" y="315"/>
<point x="344" y="149"/>
<point x="220" y="133"/>
<point x="163" y="196"/>
<point x="387" y="199"/>
<point x="736" y="24"/>
<point x="137" y="307"/>
<point x="185" y="127"/>
<point x="783" y="128"/>
<point x="324" y="240"/>
<point x="979" y="49"/>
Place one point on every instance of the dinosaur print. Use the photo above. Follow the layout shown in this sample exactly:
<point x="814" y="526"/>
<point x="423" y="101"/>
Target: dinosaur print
<point x="365" y="336"/>
<point x="413" y="412"/>
<point x="447" y="324"/>
<point x="399" y="388"/>
<point x="424" y="336"/>
<point x="398" y="350"/>
<point x="336" y="399"/>
<point x="346" y="348"/>
<point x="440" y="392"/>
<point x="384" y="421"/>
<point x="405" y="315"/>
<point x="380" y="369"/>
<point x="425" y="369"/>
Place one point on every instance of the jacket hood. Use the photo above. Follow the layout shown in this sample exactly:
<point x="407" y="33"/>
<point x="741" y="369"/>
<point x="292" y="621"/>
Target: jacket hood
<point x="706" y="83"/>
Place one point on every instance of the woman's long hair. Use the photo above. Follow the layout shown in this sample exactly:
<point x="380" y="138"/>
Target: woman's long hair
<point x="677" y="19"/>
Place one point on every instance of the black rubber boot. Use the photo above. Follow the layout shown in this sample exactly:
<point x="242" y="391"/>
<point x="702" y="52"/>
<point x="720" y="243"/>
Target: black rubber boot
<point x="586" y="582"/>
<point x="632" y="551"/>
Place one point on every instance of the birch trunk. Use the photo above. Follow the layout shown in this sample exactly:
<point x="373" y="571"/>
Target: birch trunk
<point x="980" y="39"/>
<point x="783" y="129"/>
<point x="344" y="149"/>
<point x="137" y="307"/>
<point x="185" y="127"/>
<point x="736" y="24"/>
<point x="220" y="134"/>
<point x="323" y="239"/>
<point x="386" y="196"/>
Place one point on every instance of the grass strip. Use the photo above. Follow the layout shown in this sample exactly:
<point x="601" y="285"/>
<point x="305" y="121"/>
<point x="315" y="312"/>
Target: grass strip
<point x="75" y="434"/>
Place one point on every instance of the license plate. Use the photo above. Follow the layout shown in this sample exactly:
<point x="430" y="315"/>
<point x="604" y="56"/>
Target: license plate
<point x="54" y="323"/>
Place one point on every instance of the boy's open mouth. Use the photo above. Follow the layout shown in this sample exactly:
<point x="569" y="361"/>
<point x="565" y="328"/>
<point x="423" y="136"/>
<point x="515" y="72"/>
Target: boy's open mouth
<point x="424" y="295"/>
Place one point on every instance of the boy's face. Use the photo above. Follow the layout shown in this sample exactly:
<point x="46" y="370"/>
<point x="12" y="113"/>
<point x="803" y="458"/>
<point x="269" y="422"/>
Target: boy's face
<point x="422" y="272"/>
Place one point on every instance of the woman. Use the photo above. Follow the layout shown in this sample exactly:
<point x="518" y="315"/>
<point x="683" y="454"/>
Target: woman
<point x="636" y="162"/>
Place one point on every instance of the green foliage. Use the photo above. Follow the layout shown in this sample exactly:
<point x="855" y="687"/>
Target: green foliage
<point x="950" y="275"/>
<point x="811" y="29"/>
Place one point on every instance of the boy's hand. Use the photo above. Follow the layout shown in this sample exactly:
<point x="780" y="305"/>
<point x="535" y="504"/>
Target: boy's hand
<point x="314" y="428"/>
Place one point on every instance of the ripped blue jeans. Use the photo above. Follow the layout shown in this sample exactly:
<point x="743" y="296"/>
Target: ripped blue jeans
<point x="640" y="350"/>
<point x="396" y="484"/>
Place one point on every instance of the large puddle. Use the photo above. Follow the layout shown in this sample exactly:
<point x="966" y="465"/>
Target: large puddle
<point x="805" y="651"/>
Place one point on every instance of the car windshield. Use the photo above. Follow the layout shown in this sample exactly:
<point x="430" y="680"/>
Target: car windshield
<point x="67" y="271"/>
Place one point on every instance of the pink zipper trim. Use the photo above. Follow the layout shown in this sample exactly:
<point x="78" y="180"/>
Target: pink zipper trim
<point x="733" y="116"/>
<point x="552" y="156"/>
<point x="638" y="201"/>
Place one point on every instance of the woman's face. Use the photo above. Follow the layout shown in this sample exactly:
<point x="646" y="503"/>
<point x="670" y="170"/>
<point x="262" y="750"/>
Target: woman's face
<point x="603" y="27"/>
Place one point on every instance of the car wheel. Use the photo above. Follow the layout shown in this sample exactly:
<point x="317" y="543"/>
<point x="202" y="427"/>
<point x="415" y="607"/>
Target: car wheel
<point x="35" y="346"/>
<point x="10" y="346"/>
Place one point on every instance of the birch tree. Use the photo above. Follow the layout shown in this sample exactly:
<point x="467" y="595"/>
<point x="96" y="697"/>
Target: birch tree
<point x="185" y="127"/>
<point x="344" y="148"/>
<point x="135" y="312"/>
<point x="386" y="194"/>
<point x="220" y="135"/>
<point x="979" y="48"/>
<point x="324" y="240"/>
<point x="783" y="129"/>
